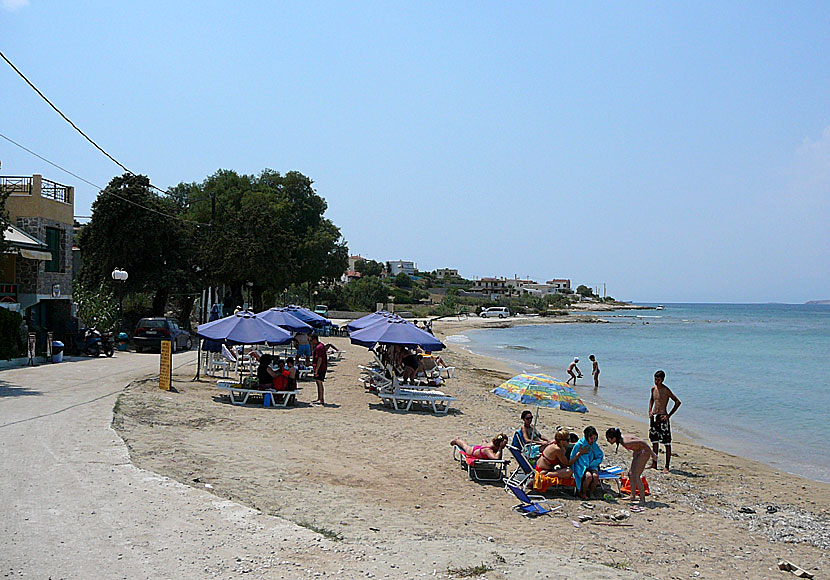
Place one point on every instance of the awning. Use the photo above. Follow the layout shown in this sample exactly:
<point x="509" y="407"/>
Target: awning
<point x="35" y="254"/>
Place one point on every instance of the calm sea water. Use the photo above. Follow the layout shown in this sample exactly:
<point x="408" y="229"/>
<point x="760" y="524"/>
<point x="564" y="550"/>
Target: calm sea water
<point x="754" y="378"/>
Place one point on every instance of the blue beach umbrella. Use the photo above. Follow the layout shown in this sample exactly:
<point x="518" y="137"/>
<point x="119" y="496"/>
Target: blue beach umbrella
<point x="285" y="320"/>
<point x="395" y="331"/>
<point x="369" y="320"/>
<point x="244" y="327"/>
<point x="306" y="315"/>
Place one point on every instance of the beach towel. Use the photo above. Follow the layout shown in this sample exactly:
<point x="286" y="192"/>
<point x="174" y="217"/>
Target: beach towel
<point x="542" y="482"/>
<point x="590" y="460"/>
<point x="625" y="485"/>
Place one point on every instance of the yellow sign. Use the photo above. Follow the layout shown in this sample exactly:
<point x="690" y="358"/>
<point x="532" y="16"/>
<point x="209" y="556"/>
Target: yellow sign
<point x="166" y="365"/>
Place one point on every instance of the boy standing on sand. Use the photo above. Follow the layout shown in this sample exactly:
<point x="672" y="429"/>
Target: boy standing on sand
<point x="659" y="429"/>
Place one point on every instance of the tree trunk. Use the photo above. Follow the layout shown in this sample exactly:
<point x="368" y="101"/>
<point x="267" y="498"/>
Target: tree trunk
<point x="256" y="298"/>
<point x="160" y="301"/>
<point x="187" y="310"/>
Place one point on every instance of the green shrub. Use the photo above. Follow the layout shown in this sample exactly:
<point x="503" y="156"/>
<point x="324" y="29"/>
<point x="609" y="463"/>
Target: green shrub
<point x="10" y="345"/>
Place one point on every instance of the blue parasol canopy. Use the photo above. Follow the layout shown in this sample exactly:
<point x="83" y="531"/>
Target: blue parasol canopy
<point x="285" y="320"/>
<point x="541" y="390"/>
<point x="244" y="327"/>
<point x="306" y="315"/>
<point x="369" y="320"/>
<point x="395" y="331"/>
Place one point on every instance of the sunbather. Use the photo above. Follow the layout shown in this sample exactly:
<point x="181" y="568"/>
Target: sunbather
<point x="264" y="373"/>
<point x="554" y="460"/>
<point x="488" y="450"/>
<point x="642" y="453"/>
<point x="586" y="467"/>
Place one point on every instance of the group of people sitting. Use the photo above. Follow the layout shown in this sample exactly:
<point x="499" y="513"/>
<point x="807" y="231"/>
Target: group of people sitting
<point x="413" y="365"/>
<point x="569" y="455"/>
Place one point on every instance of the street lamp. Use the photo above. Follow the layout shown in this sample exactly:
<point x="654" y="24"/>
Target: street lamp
<point x="120" y="275"/>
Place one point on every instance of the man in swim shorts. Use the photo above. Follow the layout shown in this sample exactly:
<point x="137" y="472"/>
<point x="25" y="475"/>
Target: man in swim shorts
<point x="573" y="372"/>
<point x="659" y="429"/>
<point x="594" y="369"/>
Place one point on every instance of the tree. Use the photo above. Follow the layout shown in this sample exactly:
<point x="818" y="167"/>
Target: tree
<point x="583" y="290"/>
<point x="403" y="281"/>
<point x="365" y="293"/>
<point x="131" y="228"/>
<point x="267" y="229"/>
<point x="369" y="268"/>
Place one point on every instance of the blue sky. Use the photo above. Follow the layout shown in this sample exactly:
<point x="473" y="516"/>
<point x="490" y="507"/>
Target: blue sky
<point x="672" y="153"/>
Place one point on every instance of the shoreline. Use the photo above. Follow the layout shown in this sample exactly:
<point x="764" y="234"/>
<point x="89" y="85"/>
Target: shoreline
<point x="386" y="484"/>
<point x="589" y="395"/>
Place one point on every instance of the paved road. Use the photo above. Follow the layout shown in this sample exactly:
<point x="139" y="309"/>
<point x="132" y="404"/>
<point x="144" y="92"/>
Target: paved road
<point x="73" y="506"/>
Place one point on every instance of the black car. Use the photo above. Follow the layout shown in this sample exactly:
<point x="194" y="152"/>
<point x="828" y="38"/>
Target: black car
<point x="151" y="331"/>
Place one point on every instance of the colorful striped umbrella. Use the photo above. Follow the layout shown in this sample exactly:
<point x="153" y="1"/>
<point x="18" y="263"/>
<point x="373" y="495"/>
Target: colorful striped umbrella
<point x="542" y="391"/>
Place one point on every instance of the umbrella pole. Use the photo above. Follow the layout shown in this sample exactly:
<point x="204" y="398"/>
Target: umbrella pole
<point x="198" y="361"/>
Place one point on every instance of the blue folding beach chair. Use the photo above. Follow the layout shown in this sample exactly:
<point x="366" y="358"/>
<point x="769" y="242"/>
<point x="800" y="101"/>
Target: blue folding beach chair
<point x="530" y="505"/>
<point x="523" y="473"/>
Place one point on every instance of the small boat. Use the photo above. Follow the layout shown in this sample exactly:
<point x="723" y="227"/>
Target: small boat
<point x="659" y="307"/>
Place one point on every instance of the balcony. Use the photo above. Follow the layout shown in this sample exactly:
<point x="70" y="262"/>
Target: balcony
<point x="35" y="185"/>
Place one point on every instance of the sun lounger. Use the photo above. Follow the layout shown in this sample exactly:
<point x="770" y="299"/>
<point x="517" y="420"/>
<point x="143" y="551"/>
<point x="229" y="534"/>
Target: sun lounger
<point x="403" y="399"/>
<point x="239" y="395"/>
<point x="481" y="469"/>
<point x="531" y="505"/>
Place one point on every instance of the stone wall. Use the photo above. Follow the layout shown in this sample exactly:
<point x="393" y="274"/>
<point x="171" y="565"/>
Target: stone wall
<point x="31" y="274"/>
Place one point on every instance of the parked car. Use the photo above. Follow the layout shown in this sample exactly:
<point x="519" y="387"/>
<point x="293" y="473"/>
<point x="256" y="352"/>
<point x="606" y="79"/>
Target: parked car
<point x="322" y="310"/>
<point x="500" y="311"/>
<point x="151" y="331"/>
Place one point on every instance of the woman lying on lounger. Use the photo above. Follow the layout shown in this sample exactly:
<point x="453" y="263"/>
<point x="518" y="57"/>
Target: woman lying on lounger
<point x="489" y="449"/>
<point x="554" y="460"/>
<point x="642" y="453"/>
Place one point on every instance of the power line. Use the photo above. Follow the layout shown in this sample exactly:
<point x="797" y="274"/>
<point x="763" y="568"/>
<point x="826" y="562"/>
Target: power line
<point x="68" y="120"/>
<point x="101" y="188"/>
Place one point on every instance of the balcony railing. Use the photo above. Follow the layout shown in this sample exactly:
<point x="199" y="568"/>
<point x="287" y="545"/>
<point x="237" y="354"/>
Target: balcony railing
<point x="53" y="190"/>
<point x="25" y="185"/>
<point x="18" y="185"/>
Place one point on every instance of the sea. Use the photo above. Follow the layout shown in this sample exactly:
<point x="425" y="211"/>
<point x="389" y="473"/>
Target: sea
<point x="754" y="379"/>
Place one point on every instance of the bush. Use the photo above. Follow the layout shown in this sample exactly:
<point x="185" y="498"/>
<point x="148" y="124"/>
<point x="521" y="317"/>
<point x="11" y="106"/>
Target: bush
<point x="10" y="345"/>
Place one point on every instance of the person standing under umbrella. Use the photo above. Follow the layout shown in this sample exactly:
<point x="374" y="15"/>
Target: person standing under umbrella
<point x="320" y="362"/>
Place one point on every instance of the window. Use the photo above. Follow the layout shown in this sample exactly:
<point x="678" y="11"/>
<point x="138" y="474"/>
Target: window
<point x="53" y="240"/>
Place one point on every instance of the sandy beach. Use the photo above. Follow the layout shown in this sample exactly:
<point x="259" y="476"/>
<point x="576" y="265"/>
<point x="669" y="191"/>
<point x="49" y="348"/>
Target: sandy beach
<point x="382" y="484"/>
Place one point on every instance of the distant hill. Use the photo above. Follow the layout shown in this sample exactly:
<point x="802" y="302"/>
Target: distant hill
<point x="818" y="302"/>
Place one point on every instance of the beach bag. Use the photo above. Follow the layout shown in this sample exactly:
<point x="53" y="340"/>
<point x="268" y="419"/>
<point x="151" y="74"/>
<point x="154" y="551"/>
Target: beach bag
<point x="625" y="485"/>
<point x="532" y="452"/>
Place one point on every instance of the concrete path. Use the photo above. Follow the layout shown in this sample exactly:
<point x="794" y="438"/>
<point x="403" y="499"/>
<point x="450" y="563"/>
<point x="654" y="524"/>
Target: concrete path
<point x="73" y="506"/>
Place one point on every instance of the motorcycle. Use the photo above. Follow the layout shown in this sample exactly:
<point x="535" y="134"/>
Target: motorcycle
<point x="95" y="342"/>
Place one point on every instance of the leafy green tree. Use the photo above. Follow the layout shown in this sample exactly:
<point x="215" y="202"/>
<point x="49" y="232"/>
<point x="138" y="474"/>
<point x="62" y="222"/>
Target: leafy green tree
<point x="364" y="293"/>
<point x="369" y="268"/>
<point x="583" y="290"/>
<point x="267" y="229"/>
<point x="96" y="305"/>
<point x="131" y="229"/>
<point x="403" y="281"/>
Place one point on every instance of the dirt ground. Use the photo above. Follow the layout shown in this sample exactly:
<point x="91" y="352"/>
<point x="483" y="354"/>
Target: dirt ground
<point x="364" y="474"/>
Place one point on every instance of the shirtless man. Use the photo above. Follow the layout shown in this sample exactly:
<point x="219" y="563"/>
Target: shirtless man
<point x="594" y="370"/>
<point x="659" y="430"/>
<point x="554" y="458"/>
<point x="571" y="368"/>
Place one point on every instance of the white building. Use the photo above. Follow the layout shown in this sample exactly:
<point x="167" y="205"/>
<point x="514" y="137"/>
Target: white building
<point x="398" y="266"/>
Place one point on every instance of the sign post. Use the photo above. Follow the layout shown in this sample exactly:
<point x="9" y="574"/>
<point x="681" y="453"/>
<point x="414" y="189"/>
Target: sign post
<point x="49" y="336"/>
<point x="31" y="348"/>
<point x="166" y="365"/>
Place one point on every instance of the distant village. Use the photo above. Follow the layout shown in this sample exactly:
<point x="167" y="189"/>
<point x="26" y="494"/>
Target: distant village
<point x="491" y="288"/>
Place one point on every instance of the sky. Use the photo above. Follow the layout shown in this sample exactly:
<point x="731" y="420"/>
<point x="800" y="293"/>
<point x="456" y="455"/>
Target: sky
<point x="673" y="153"/>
